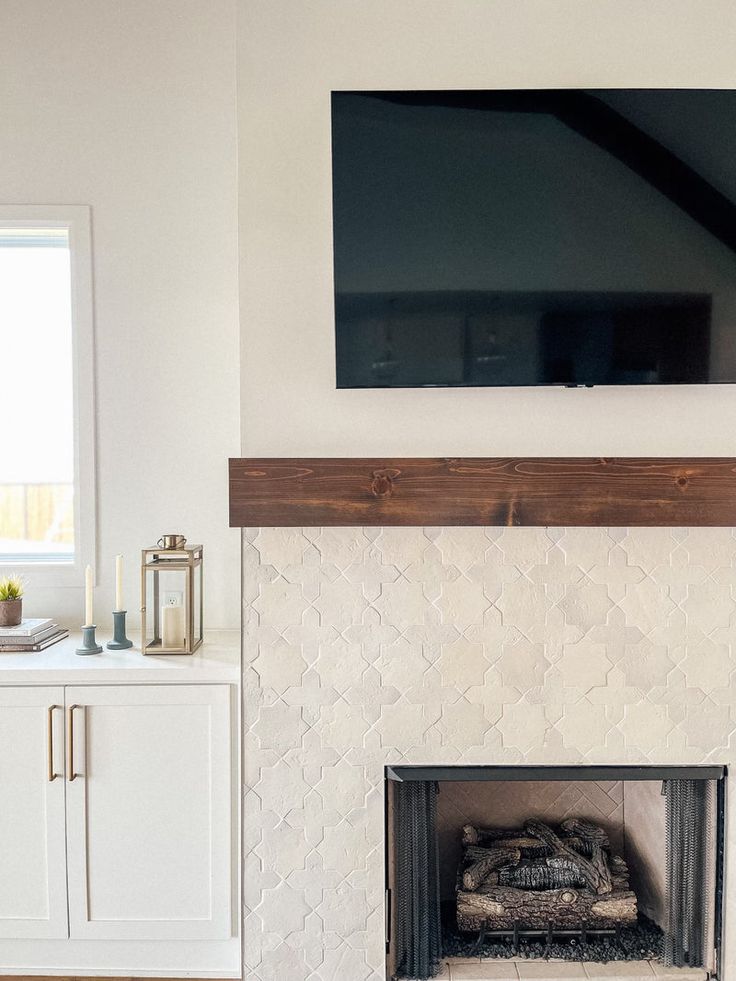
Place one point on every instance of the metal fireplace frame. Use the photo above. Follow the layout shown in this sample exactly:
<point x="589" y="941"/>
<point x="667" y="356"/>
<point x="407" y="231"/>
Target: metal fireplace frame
<point x="447" y="774"/>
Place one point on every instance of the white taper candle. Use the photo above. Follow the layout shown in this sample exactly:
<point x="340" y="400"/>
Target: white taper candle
<point x="88" y="597"/>
<point x="119" y="583"/>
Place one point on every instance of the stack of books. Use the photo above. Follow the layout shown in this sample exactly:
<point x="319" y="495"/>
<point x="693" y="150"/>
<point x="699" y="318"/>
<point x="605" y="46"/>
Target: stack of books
<point x="31" y="635"/>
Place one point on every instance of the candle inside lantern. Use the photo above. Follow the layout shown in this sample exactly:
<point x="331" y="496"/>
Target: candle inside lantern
<point x="88" y="597"/>
<point x="119" y="583"/>
<point x="172" y="626"/>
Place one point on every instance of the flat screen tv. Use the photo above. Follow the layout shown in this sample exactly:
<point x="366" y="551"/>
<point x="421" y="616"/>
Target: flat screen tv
<point x="537" y="237"/>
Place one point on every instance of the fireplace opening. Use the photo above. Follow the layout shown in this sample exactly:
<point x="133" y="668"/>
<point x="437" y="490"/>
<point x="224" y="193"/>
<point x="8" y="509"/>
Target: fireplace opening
<point x="495" y="866"/>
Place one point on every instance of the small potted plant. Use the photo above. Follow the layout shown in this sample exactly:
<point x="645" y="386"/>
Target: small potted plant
<point x="11" y="601"/>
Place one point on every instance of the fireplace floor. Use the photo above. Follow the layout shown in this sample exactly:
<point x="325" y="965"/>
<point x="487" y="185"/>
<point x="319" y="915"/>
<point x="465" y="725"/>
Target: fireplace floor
<point x="523" y="969"/>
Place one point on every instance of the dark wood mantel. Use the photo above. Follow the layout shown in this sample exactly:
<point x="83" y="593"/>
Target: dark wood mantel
<point x="634" y="491"/>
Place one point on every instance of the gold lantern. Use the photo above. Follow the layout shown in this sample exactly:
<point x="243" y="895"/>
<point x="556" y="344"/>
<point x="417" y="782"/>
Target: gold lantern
<point x="171" y="597"/>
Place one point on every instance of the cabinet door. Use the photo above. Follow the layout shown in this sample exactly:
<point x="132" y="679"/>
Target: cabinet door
<point x="32" y="845"/>
<point x="149" y="812"/>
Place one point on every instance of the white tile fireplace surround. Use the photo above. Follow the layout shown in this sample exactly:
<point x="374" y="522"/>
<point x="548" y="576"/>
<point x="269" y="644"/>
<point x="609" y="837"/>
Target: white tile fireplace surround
<point x="366" y="647"/>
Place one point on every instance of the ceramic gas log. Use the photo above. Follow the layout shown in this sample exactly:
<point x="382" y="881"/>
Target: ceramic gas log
<point x="535" y="877"/>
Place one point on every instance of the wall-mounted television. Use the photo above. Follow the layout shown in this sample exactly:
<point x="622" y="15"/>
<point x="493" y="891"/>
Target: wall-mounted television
<point x="535" y="237"/>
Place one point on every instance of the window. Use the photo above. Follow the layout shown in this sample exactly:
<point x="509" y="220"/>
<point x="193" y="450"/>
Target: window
<point x="47" y="444"/>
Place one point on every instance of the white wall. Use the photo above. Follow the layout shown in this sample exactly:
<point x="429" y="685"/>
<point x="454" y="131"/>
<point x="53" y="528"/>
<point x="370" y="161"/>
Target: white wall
<point x="291" y="54"/>
<point x="130" y="108"/>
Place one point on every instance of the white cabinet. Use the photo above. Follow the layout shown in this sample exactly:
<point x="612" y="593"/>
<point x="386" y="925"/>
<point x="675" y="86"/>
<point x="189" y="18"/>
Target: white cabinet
<point x="116" y="804"/>
<point x="149" y="812"/>
<point x="32" y="842"/>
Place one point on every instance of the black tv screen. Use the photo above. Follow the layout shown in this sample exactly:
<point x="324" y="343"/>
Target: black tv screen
<point x="536" y="237"/>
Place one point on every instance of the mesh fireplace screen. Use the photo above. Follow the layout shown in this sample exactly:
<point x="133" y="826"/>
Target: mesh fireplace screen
<point x="419" y="931"/>
<point x="687" y="846"/>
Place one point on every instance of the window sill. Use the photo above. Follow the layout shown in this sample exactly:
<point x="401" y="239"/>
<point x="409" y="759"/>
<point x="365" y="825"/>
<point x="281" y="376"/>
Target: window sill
<point x="53" y="574"/>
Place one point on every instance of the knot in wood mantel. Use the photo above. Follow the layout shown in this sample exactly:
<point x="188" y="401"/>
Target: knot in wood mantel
<point x="382" y="484"/>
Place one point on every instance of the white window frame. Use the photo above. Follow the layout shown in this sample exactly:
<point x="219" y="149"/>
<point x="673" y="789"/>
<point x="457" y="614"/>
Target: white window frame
<point x="76" y="219"/>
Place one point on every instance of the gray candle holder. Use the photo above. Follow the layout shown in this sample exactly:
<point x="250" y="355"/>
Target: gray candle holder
<point x="119" y="640"/>
<point x="89" y="641"/>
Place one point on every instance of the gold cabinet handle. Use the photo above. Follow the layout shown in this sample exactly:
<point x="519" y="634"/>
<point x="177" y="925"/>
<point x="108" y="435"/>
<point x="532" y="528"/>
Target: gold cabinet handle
<point x="70" y="726"/>
<point x="50" y="742"/>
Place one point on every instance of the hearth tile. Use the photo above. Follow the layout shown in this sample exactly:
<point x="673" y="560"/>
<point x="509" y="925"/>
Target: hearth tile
<point x="444" y="974"/>
<point x="487" y="971"/>
<point x="281" y="547"/>
<point x="279" y="665"/>
<point x="462" y="603"/>
<point x="341" y="603"/>
<point x="280" y="604"/>
<point x="548" y="970"/>
<point x="707" y="664"/>
<point x="523" y="605"/>
<point x="679" y="973"/>
<point x="646" y="665"/>
<point x="523" y="663"/>
<point x="401" y="605"/>
<point x="584" y="664"/>
<point x="402" y="546"/>
<point x="711" y="548"/>
<point x="461" y="547"/>
<point x="647" y="605"/>
<point x="524" y="547"/>
<point x="649" y="547"/>
<point x="708" y="605"/>
<point x="614" y="970"/>
<point x="462" y="664"/>
<point x="523" y="726"/>
<point x="586" y="547"/>
<point x="646" y="726"/>
<point x="586" y="605"/>
<point x="586" y="724"/>
<point x="340" y="546"/>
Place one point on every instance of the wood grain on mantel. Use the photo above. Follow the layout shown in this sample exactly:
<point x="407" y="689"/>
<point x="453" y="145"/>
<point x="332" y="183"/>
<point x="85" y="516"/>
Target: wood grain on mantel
<point x="539" y="491"/>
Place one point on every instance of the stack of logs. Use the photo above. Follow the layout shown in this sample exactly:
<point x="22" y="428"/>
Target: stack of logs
<point x="537" y="877"/>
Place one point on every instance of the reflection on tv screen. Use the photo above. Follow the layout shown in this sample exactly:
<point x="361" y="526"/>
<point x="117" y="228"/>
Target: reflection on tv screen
<point x="535" y="237"/>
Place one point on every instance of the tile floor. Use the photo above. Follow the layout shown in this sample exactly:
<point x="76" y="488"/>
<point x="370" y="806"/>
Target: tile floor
<point x="466" y="969"/>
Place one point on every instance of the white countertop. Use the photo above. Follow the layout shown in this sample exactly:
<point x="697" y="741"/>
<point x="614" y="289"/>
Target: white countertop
<point x="217" y="660"/>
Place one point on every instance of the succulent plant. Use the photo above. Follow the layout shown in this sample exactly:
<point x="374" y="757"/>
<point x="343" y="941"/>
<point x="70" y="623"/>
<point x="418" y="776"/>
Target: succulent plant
<point x="11" y="587"/>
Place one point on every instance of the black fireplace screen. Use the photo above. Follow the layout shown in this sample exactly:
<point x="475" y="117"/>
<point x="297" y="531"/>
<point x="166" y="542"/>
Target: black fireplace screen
<point x="688" y="842"/>
<point x="419" y="930"/>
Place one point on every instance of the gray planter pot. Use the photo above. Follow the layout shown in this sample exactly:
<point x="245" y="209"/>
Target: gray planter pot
<point x="11" y="612"/>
